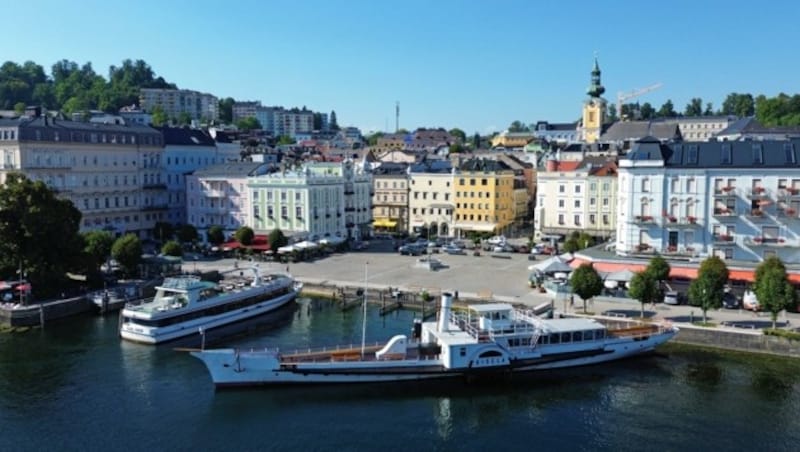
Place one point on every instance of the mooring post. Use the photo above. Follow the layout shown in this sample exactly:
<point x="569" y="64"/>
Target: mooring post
<point x="41" y="315"/>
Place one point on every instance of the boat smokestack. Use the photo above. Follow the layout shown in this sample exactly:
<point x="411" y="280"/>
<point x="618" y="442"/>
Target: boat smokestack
<point x="444" y="312"/>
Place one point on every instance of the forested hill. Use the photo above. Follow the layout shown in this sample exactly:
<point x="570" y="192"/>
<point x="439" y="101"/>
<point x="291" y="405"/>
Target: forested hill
<point x="70" y="87"/>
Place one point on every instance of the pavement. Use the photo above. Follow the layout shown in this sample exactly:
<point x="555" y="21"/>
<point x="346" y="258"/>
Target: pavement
<point x="503" y="279"/>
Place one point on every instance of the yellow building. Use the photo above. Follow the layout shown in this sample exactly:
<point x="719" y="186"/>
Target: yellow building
<point x="512" y="140"/>
<point x="594" y="108"/>
<point x="484" y="198"/>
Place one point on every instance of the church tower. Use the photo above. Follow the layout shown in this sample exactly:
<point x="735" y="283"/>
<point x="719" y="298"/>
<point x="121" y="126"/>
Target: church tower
<point x="594" y="108"/>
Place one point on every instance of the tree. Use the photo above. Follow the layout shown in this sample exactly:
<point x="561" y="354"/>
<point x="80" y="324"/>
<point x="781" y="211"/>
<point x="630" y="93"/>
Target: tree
<point x="782" y="110"/>
<point x="244" y="235"/>
<point x="372" y="140"/>
<point x="127" y="250"/>
<point x="694" y="107"/>
<point x="659" y="269"/>
<point x="458" y="134"/>
<point x="667" y="110"/>
<point x="334" y="125"/>
<point x="709" y="111"/>
<point x="612" y="113"/>
<point x="172" y="248"/>
<point x="248" y="123"/>
<point x="97" y="248"/>
<point x="38" y="234"/>
<point x="586" y="283"/>
<point x="187" y="233"/>
<point x="571" y="245"/>
<point x="456" y="148"/>
<point x="584" y="240"/>
<point x="317" y="120"/>
<point x="647" y="111"/>
<point x="285" y="140"/>
<point x="476" y="141"/>
<point x="741" y="105"/>
<point x="708" y="290"/>
<point x="644" y="287"/>
<point x="226" y="110"/>
<point x="19" y="108"/>
<point x="158" y="117"/>
<point x="518" y="126"/>
<point x="216" y="235"/>
<point x="277" y="239"/>
<point x="772" y="288"/>
<point x="184" y="118"/>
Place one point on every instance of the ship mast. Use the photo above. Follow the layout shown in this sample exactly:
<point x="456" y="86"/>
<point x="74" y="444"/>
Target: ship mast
<point x="364" y="318"/>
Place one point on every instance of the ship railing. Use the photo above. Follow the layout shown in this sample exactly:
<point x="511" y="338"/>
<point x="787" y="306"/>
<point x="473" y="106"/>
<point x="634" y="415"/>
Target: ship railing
<point x="180" y="282"/>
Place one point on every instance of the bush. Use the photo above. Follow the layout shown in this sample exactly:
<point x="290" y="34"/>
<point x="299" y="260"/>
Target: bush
<point x="791" y="335"/>
<point x="172" y="248"/>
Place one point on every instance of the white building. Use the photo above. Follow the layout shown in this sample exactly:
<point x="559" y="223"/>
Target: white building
<point x="315" y="200"/>
<point x="577" y="196"/>
<point x="174" y="102"/>
<point x="217" y="195"/>
<point x="431" y="200"/>
<point x="737" y="200"/>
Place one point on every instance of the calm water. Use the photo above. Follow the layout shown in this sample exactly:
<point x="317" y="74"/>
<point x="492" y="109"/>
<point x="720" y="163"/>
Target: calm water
<point x="76" y="386"/>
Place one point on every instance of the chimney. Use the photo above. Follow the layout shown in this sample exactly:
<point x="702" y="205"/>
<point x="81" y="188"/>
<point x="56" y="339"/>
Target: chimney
<point x="444" y="312"/>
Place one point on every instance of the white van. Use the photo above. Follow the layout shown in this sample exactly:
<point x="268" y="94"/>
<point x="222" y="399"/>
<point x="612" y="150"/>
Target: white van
<point x="671" y="298"/>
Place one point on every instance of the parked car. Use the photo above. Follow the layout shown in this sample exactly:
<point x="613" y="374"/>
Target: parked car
<point x="749" y="301"/>
<point x="453" y="249"/>
<point x="523" y="249"/>
<point x="672" y="298"/>
<point x="497" y="240"/>
<point x="729" y="301"/>
<point x="411" y="250"/>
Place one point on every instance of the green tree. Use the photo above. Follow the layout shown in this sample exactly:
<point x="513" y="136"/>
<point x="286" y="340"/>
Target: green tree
<point x="277" y="239"/>
<point x="709" y="111"/>
<point x="659" y="268"/>
<point x="127" y="250"/>
<point x="708" y="290"/>
<point x="158" y="116"/>
<point x="518" y="126"/>
<point x="644" y="287"/>
<point x="586" y="283"/>
<point x="226" y="110"/>
<point x="39" y="234"/>
<point x="19" y="108"/>
<point x="333" y="123"/>
<point x="571" y="245"/>
<point x="772" y="288"/>
<point x="172" y="248"/>
<point x="458" y="134"/>
<point x="285" y="140"/>
<point x="184" y="118"/>
<point x="372" y="140"/>
<point x="187" y="233"/>
<point x="476" y="141"/>
<point x="694" y="107"/>
<point x="97" y="248"/>
<point x="317" y="121"/>
<point x="740" y="105"/>
<point x="667" y="110"/>
<point x="215" y="235"/>
<point x="584" y="240"/>
<point x="612" y="113"/>
<point x="248" y="123"/>
<point x="244" y="235"/>
<point x="456" y="148"/>
<point x="647" y="111"/>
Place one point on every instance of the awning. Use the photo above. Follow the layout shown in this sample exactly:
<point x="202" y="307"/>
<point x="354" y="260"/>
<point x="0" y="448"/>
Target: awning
<point x="384" y="223"/>
<point x="483" y="227"/>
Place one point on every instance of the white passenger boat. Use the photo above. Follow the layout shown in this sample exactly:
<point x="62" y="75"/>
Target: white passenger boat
<point x="482" y="339"/>
<point x="187" y="305"/>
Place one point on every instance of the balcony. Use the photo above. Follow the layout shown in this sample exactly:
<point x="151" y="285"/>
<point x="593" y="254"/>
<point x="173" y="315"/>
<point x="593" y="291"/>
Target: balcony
<point x="787" y="193"/>
<point x="209" y="193"/>
<point x="757" y="193"/>
<point x="723" y="213"/>
<point x="681" y="222"/>
<point x="349" y="209"/>
<point x="154" y="186"/>
<point x="759" y="241"/>
<point x="722" y="239"/>
<point x="678" y="251"/>
<point x="725" y="192"/>
<point x="155" y="207"/>
<point x="644" y="220"/>
<point x="757" y="215"/>
<point x="788" y="213"/>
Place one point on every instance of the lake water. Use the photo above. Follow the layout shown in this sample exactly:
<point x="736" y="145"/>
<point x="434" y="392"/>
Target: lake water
<point x="76" y="386"/>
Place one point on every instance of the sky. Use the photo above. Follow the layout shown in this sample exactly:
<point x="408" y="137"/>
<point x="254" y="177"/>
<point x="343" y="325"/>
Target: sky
<point x="473" y="64"/>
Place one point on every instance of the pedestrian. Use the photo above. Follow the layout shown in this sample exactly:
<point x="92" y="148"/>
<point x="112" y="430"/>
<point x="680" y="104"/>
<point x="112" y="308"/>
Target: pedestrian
<point x="287" y="269"/>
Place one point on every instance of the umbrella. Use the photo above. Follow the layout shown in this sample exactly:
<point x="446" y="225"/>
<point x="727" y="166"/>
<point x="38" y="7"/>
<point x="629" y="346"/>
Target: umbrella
<point x="620" y="276"/>
<point x="552" y="265"/>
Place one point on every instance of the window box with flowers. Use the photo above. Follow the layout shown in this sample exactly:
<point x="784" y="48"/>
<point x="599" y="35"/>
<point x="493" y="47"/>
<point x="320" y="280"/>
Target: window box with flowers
<point x="792" y="190"/>
<point x="758" y="190"/>
<point x="642" y="247"/>
<point x="727" y="189"/>
<point x="758" y="239"/>
<point x="672" y="219"/>
<point x="691" y="219"/>
<point x="724" y="237"/>
<point x="757" y="212"/>
<point x="672" y="249"/>
<point x="790" y="211"/>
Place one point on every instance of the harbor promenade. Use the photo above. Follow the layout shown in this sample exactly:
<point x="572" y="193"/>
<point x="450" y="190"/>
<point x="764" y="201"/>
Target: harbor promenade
<point x="485" y="277"/>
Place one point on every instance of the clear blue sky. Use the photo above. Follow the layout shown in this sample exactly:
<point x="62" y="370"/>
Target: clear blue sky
<point x="473" y="64"/>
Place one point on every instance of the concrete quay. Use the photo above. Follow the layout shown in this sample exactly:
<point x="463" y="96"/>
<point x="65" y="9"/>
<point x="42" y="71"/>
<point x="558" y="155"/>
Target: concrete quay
<point x="505" y="279"/>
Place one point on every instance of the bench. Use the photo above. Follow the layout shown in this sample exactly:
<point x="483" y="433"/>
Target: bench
<point x="502" y="256"/>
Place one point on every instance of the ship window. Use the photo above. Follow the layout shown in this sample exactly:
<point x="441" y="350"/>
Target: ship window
<point x="462" y="351"/>
<point x="588" y="335"/>
<point x="555" y="338"/>
<point x="577" y="336"/>
<point x="565" y="337"/>
<point x="490" y="354"/>
<point x="542" y="339"/>
<point x="599" y="334"/>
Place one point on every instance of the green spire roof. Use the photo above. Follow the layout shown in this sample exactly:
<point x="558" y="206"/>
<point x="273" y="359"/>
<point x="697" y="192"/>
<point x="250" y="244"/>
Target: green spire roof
<point x="596" y="89"/>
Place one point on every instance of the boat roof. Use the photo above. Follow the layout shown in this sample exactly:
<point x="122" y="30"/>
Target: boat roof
<point x="491" y="307"/>
<point x="185" y="283"/>
<point x="566" y="325"/>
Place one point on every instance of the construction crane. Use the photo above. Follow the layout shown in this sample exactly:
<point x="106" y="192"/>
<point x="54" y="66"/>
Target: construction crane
<point x="622" y="97"/>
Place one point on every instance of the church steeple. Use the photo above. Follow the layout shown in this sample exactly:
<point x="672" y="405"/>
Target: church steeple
<point x="596" y="89"/>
